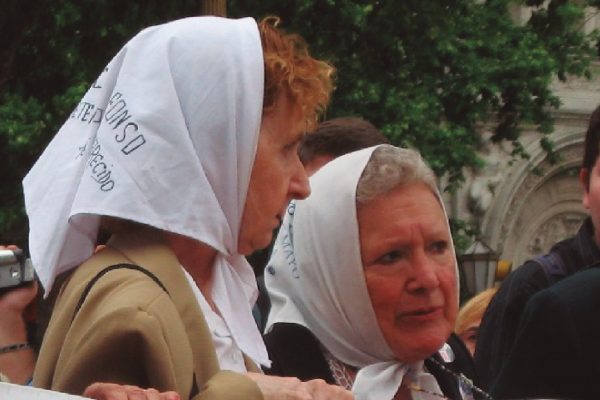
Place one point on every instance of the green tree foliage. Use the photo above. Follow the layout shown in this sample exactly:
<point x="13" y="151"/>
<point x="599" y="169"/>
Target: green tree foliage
<point x="428" y="73"/>
<point x="53" y="51"/>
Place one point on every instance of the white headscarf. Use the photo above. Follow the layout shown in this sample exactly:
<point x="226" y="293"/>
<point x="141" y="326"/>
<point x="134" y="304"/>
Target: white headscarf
<point x="166" y="137"/>
<point x="315" y="278"/>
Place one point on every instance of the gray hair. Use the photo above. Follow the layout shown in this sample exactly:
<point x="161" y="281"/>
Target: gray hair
<point x="390" y="167"/>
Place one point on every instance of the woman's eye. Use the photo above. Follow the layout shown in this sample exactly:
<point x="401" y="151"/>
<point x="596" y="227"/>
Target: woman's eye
<point x="391" y="257"/>
<point x="439" y="247"/>
<point x="471" y="334"/>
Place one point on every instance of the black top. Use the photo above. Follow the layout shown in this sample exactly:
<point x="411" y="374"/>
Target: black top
<point x="498" y="327"/>
<point x="295" y="351"/>
<point x="555" y="354"/>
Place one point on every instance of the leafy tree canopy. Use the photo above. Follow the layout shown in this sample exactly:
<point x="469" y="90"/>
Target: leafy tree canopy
<point x="53" y="51"/>
<point x="428" y="73"/>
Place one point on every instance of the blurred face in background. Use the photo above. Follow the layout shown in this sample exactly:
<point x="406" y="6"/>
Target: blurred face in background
<point x="469" y="318"/>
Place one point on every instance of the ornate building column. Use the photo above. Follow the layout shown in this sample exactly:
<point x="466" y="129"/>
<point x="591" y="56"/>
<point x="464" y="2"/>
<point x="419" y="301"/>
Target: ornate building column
<point x="533" y="210"/>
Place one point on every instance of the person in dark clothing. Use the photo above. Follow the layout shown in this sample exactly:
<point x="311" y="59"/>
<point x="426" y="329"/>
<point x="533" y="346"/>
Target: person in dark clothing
<point x="497" y="332"/>
<point x="556" y="348"/>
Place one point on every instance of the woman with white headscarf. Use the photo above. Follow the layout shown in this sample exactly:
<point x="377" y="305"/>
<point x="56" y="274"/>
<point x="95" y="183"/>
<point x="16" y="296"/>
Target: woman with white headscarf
<point x="363" y="282"/>
<point x="185" y="150"/>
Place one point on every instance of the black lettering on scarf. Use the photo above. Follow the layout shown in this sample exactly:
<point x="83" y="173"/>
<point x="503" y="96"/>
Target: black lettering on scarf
<point x="87" y="112"/>
<point x="100" y="171"/>
<point x="289" y="255"/>
<point x="116" y="111"/>
<point x="287" y="243"/>
<point x="116" y="115"/>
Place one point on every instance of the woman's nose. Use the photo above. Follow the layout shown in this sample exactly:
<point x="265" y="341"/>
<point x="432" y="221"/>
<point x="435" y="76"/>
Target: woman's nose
<point x="299" y="184"/>
<point x="423" y="274"/>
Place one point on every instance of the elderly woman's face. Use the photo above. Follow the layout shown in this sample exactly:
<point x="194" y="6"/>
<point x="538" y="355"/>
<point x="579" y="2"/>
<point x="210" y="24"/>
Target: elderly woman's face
<point x="277" y="176"/>
<point x="409" y="269"/>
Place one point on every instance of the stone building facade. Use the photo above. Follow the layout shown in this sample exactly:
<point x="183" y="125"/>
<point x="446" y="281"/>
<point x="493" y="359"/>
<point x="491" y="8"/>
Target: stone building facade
<point x="524" y="206"/>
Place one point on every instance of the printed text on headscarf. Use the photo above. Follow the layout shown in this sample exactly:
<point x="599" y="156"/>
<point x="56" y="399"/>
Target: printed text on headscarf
<point x="116" y="116"/>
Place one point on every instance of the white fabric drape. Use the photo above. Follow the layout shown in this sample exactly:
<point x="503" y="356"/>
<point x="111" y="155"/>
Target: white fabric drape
<point x="315" y="278"/>
<point x="167" y="137"/>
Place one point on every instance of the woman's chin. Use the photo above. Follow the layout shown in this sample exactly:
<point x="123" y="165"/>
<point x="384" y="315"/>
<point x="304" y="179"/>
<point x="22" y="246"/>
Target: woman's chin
<point x="427" y="345"/>
<point x="248" y="247"/>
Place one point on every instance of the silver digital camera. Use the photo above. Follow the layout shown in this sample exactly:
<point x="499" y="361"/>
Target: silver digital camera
<point x="15" y="269"/>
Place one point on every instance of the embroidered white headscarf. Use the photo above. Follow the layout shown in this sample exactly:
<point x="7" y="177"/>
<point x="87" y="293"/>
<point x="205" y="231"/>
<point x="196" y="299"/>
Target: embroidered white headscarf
<point x="166" y="137"/>
<point x="315" y="278"/>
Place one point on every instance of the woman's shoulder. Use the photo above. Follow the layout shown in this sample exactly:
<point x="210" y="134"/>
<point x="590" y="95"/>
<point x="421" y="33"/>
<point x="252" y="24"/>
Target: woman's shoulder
<point x="97" y="288"/>
<point x="112" y="314"/>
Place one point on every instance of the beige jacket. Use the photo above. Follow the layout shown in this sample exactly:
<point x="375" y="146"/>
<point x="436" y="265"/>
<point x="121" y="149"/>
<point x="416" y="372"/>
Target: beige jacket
<point x="130" y="331"/>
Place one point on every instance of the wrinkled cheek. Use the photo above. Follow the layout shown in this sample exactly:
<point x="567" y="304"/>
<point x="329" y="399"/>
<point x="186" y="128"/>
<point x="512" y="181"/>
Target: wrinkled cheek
<point x="452" y="300"/>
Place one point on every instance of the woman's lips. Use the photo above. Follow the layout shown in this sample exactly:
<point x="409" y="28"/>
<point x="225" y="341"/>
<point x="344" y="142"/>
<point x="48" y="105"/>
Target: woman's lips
<point x="422" y="314"/>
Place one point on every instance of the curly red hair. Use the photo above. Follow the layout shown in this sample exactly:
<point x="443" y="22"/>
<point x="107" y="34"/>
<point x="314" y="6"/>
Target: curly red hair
<point x="290" y="69"/>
